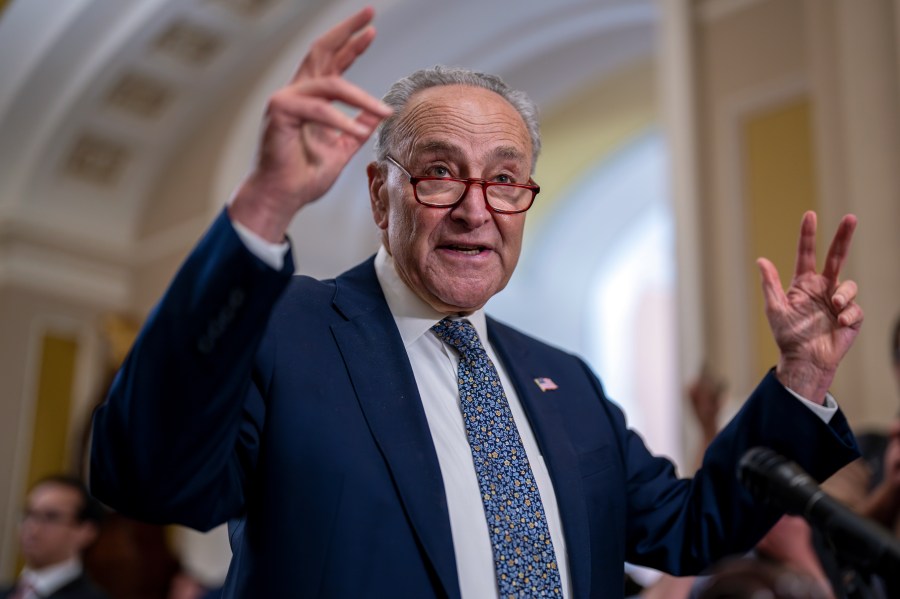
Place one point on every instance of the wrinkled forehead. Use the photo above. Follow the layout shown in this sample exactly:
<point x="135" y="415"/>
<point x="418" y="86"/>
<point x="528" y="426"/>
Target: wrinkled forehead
<point x="462" y="120"/>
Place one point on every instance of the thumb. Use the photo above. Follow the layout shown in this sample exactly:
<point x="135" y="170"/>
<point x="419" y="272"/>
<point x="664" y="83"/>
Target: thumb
<point x="773" y="294"/>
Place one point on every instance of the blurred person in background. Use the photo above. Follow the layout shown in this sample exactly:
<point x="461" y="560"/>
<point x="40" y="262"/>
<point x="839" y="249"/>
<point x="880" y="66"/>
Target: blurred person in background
<point x="59" y="522"/>
<point x="746" y="578"/>
<point x="871" y="484"/>
<point x="881" y="453"/>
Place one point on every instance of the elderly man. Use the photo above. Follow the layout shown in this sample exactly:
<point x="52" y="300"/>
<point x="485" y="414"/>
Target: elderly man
<point x="60" y="520"/>
<point x="377" y="435"/>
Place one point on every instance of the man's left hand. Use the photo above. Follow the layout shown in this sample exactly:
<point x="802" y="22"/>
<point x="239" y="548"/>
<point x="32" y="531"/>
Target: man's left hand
<point x="816" y="319"/>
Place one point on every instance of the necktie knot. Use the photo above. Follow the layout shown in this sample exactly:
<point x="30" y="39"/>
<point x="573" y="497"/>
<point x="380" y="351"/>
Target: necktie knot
<point x="460" y="334"/>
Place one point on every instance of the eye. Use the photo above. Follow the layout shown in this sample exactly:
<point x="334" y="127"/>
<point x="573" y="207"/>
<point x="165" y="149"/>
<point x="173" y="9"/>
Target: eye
<point x="504" y="178"/>
<point x="438" y="170"/>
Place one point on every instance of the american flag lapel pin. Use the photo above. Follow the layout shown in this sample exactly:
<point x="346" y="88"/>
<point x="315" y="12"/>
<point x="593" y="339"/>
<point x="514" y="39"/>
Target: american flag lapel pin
<point x="545" y="384"/>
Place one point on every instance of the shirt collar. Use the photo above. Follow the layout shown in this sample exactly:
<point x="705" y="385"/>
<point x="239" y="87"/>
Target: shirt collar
<point x="413" y="316"/>
<point x="47" y="581"/>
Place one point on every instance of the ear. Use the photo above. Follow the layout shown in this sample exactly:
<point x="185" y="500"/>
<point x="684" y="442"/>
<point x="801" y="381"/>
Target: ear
<point x="378" y="194"/>
<point x="87" y="533"/>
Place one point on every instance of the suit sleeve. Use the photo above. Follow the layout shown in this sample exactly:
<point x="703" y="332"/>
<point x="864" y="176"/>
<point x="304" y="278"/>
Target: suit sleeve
<point x="177" y="437"/>
<point x="683" y="526"/>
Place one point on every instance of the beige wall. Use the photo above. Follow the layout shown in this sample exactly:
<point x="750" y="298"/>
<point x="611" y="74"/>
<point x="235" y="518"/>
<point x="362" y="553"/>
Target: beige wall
<point x="51" y="365"/>
<point x="590" y="125"/>
<point x="813" y="82"/>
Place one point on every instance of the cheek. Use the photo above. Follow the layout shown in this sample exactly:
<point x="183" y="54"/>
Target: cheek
<point x="511" y="230"/>
<point x="410" y="232"/>
<point x="400" y="231"/>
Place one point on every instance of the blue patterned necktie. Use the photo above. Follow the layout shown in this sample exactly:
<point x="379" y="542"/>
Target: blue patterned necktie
<point x="523" y="552"/>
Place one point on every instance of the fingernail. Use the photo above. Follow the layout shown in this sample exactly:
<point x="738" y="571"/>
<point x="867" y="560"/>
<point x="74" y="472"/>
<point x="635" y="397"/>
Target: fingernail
<point x="838" y="301"/>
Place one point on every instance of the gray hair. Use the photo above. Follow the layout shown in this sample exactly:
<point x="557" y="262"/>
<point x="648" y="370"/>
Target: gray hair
<point x="400" y="93"/>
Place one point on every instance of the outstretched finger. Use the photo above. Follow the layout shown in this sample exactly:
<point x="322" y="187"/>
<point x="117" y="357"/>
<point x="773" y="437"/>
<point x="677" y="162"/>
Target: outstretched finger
<point x="338" y="35"/>
<point x="773" y="294"/>
<point x="291" y="109"/>
<point x="368" y="120"/>
<point x="840" y="245"/>
<point x="320" y="58"/>
<point x="336" y="88"/>
<point x="358" y="44"/>
<point x="806" y="246"/>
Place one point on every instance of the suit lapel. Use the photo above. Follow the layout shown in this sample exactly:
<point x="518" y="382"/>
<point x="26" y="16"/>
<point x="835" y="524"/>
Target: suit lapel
<point x="549" y="429"/>
<point x="386" y="389"/>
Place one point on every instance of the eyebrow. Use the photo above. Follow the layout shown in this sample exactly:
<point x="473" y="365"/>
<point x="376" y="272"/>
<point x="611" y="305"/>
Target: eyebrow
<point x="443" y="147"/>
<point x="438" y="147"/>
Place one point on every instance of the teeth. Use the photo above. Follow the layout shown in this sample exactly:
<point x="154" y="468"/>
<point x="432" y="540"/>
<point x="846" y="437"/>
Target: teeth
<point x="466" y="250"/>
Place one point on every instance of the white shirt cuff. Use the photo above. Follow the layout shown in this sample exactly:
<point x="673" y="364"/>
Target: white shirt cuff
<point x="825" y="412"/>
<point x="271" y="253"/>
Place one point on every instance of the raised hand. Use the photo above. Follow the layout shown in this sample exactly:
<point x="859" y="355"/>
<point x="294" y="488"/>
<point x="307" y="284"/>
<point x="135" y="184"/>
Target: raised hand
<point x="706" y="395"/>
<point x="306" y="139"/>
<point x="816" y="319"/>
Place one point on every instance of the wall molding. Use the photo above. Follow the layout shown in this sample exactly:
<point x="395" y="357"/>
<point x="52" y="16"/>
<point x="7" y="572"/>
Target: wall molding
<point x="731" y="118"/>
<point x="46" y="270"/>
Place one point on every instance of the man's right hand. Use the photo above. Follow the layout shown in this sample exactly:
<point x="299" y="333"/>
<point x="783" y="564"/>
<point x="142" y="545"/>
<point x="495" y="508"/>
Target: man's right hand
<point x="307" y="140"/>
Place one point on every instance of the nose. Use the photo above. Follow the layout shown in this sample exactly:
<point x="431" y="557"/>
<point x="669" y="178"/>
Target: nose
<point x="472" y="209"/>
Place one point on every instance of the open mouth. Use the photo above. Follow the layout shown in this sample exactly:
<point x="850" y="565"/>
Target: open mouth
<point x="469" y="250"/>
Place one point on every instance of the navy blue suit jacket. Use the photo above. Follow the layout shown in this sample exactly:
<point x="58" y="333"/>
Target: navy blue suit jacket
<point x="288" y="406"/>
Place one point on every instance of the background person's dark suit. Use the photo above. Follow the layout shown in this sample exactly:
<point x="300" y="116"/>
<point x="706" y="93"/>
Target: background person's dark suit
<point x="79" y="588"/>
<point x="309" y="434"/>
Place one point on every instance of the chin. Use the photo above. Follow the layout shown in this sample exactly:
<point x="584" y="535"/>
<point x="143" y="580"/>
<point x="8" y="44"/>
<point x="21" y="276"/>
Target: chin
<point x="452" y="304"/>
<point x="455" y="292"/>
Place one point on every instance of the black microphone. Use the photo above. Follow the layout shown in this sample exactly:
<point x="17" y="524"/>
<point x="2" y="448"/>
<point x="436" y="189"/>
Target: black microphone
<point x="780" y="482"/>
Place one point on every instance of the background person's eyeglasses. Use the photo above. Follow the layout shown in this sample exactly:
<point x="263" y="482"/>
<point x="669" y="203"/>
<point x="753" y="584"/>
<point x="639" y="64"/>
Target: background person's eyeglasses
<point x="446" y="192"/>
<point x="50" y="517"/>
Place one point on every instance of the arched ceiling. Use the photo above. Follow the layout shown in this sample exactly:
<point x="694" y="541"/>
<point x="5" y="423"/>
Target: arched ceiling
<point x="97" y="96"/>
<point x="102" y="91"/>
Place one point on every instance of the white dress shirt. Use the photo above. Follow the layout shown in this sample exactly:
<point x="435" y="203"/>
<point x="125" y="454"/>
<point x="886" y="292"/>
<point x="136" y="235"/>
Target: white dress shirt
<point x="434" y="364"/>
<point x="47" y="581"/>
